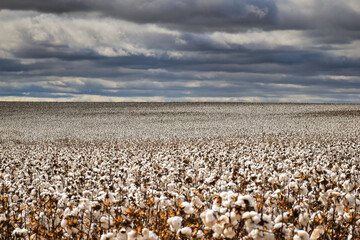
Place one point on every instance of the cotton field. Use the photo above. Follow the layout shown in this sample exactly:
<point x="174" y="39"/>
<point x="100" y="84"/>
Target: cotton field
<point x="266" y="183"/>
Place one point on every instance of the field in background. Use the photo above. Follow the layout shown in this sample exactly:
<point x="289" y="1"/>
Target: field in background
<point x="118" y="121"/>
<point x="179" y="171"/>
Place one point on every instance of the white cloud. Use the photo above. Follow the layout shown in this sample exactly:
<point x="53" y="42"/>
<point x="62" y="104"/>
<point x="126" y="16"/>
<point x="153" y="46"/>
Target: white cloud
<point x="82" y="98"/>
<point x="106" y="36"/>
<point x="255" y="39"/>
<point x="281" y="85"/>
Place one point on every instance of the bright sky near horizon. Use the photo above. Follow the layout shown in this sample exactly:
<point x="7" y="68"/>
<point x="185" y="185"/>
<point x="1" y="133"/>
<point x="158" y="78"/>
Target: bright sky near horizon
<point x="180" y="50"/>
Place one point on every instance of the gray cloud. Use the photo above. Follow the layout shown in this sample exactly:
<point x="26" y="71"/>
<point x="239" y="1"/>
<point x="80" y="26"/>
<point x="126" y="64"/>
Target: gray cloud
<point x="186" y="14"/>
<point x="56" y="6"/>
<point x="209" y="15"/>
<point x="267" y="50"/>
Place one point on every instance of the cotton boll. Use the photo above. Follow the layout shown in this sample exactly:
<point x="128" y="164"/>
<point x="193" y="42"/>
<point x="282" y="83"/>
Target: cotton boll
<point x="175" y="223"/>
<point x="281" y="218"/>
<point x="348" y="186"/>
<point x="229" y="232"/>
<point x="85" y="204"/>
<point x="340" y="208"/>
<point x="266" y="221"/>
<point x="301" y="235"/>
<point x="132" y="235"/>
<point x="64" y="223"/>
<point x="283" y="177"/>
<point x="106" y="222"/>
<point x="224" y="195"/>
<point x="350" y="200"/>
<point x="271" y="180"/>
<point x="164" y="202"/>
<point x="187" y="207"/>
<point x="122" y="234"/>
<point x="2" y="217"/>
<point x="148" y="235"/>
<point x="208" y="218"/>
<point x="304" y="189"/>
<point x="304" y="218"/>
<point x="227" y="203"/>
<point x="293" y="186"/>
<point x="251" y="220"/>
<point x="259" y="235"/>
<point x="333" y="176"/>
<point x="15" y="198"/>
<point x="324" y="199"/>
<point x="200" y="234"/>
<point x="222" y="210"/>
<point x="347" y="216"/>
<point x="279" y="225"/>
<point x="197" y="202"/>
<point x="187" y="231"/>
<point x="357" y="203"/>
<point x="246" y="202"/>
<point x="109" y="197"/>
<point x="235" y="217"/>
<point x="216" y="235"/>
<point x="267" y="195"/>
<point x="217" y="228"/>
<point x="107" y="236"/>
<point x="223" y="219"/>
<point x="249" y="215"/>
<point x="20" y="233"/>
<point x="74" y="230"/>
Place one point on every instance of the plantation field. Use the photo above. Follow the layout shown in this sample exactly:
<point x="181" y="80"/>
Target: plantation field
<point x="179" y="171"/>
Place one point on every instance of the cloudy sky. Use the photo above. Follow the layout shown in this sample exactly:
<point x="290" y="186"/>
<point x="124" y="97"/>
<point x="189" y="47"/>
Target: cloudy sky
<point x="180" y="50"/>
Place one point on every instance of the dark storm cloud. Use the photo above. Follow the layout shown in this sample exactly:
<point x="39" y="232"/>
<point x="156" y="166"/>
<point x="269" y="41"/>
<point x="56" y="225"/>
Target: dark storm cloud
<point x="185" y="14"/>
<point x="59" y="52"/>
<point x="53" y="6"/>
<point x="10" y="65"/>
<point x="87" y="63"/>
<point x="208" y="15"/>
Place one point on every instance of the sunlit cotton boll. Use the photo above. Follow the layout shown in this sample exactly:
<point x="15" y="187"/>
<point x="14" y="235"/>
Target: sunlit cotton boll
<point x="132" y="235"/>
<point x="200" y="234"/>
<point x="223" y="219"/>
<point x="106" y="222"/>
<point x="64" y="223"/>
<point x="175" y="223"/>
<point x="350" y="200"/>
<point x="251" y="220"/>
<point x="316" y="234"/>
<point x="148" y="235"/>
<point x="122" y="234"/>
<point x="208" y="218"/>
<point x="304" y="218"/>
<point x="20" y="233"/>
<point x="235" y="218"/>
<point x="283" y="177"/>
<point x="187" y="231"/>
<point x="197" y="202"/>
<point x="2" y="217"/>
<point x="217" y="228"/>
<point x="187" y="207"/>
<point x="301" y="235"/>
<point x="293" y="186"/>
<point x="107" y="236"/>
<point x="246" y="202"/>
<point x="229" y="232"/>
<point x="256" y="234"/>
<point x="303" y="189"/>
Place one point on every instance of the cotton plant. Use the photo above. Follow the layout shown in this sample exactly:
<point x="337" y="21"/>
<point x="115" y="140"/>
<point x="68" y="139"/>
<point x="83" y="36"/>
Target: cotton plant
<point x="233" y="188"/>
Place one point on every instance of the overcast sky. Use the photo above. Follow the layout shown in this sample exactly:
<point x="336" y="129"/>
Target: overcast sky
<point x="180" y="50"/>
